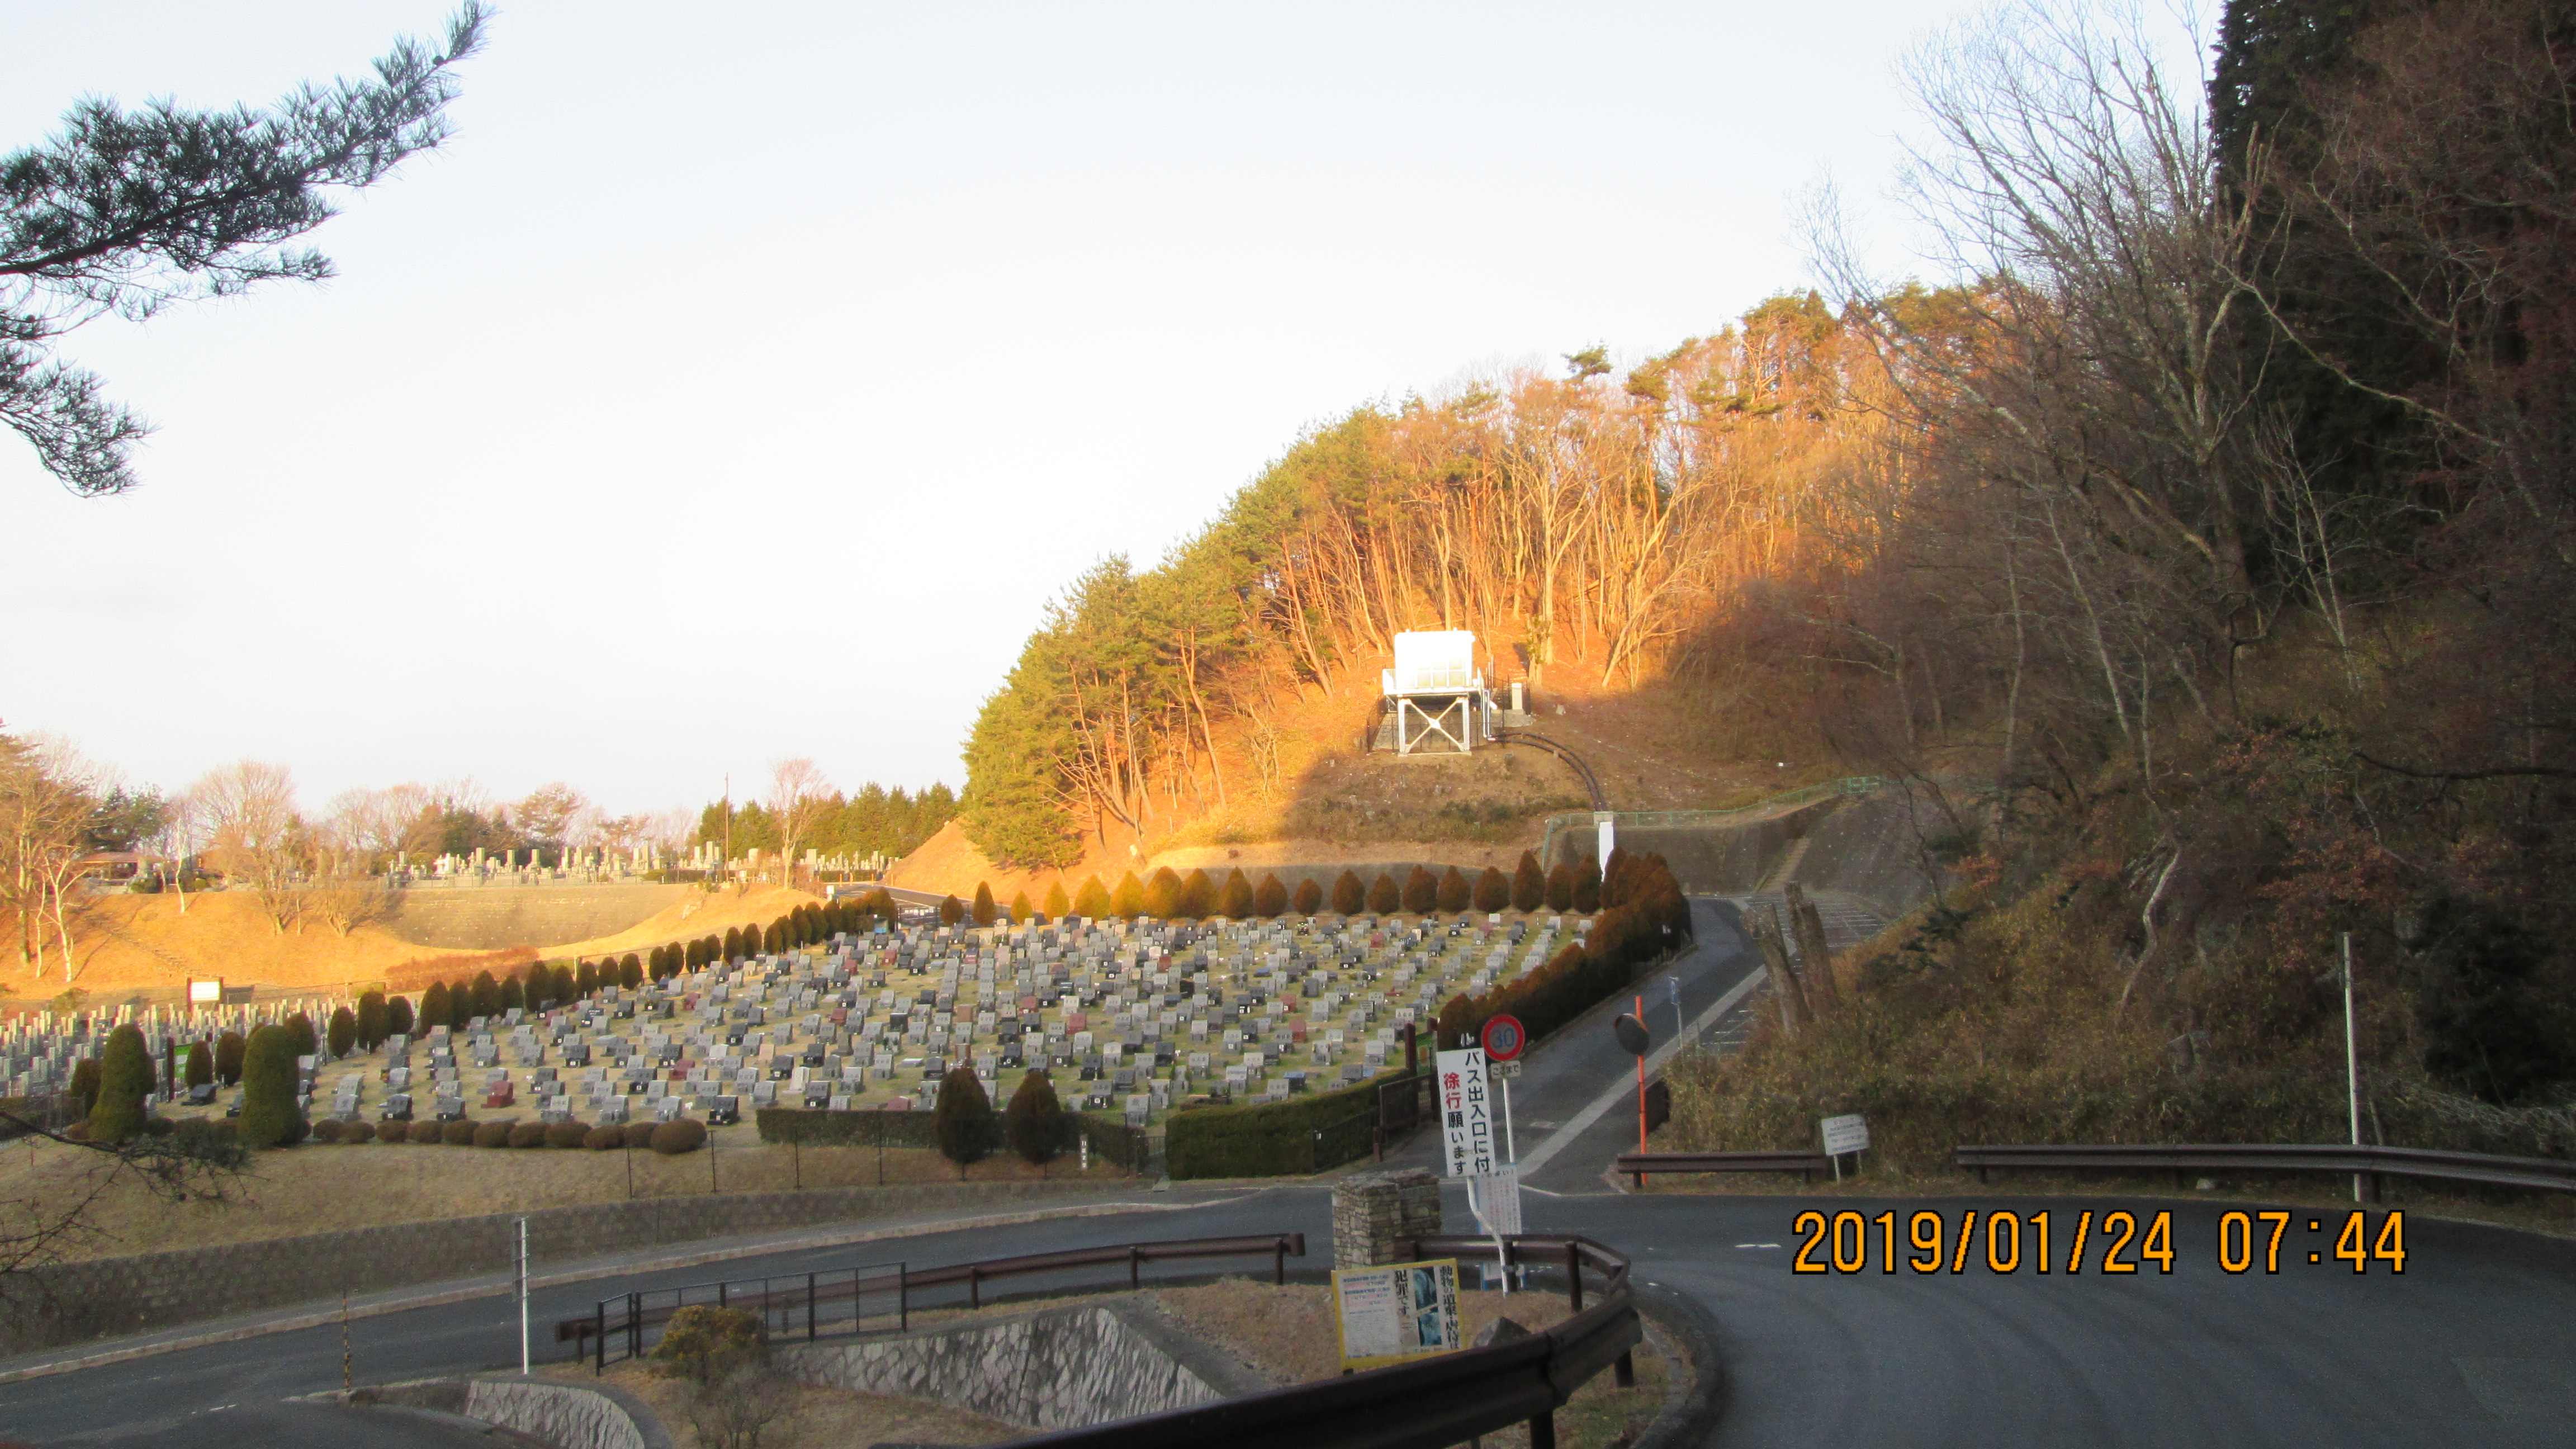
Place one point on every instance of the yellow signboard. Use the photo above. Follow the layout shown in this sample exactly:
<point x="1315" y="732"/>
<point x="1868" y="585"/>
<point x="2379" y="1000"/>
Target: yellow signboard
<point x="1396" y="1313"/>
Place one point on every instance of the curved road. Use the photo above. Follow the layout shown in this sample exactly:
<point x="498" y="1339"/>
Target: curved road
<point x="2475" y="1342"/>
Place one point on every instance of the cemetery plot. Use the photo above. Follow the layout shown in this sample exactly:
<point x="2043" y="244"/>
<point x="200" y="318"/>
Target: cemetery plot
<point x="1132" y="1019"/>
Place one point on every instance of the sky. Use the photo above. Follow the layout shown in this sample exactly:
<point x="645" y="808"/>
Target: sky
<point x="740" y="381"/>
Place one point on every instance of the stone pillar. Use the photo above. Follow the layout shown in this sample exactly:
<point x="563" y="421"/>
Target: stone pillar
<point x="1374" y="1213"/>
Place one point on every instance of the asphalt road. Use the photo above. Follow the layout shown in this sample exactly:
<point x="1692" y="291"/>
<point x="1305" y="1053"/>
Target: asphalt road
<point x="2474" y="1342"/>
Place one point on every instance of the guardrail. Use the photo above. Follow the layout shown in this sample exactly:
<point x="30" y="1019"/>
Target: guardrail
<point x="1805" y="1164"/>
<point x="628" y="1317"/>
<point x="2369" y="1164"/>
<point x="1431" y="1404"/>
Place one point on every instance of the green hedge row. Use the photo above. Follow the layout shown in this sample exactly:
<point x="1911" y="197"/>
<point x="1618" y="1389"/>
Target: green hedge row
<point x="1647" y="917"/>
<point x="1300" y="1135"/>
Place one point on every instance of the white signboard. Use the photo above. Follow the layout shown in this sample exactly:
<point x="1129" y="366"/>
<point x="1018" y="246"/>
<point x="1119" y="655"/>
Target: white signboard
<point x="1396" y="1312"/>
<point x="1470" y="1132"/>
<point x="1845" y="1134"/>
<point x="206" y="993"/>
<point x="1495" y="1199"/>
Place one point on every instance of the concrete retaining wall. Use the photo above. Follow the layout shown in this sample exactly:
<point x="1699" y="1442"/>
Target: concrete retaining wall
<point x="488" y="918"/>
<point x="1060" y="1368"/>
<point x="563" y="1415"/>
<point x="68" y="1302"/>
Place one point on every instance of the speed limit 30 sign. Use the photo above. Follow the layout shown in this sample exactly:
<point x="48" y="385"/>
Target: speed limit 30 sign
<point x="1504" y="1038"/>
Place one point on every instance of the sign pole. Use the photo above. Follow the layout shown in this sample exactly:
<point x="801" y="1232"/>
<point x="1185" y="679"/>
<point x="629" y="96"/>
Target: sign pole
<point x="1641" y="1085"/>
<point x="523" y="1297"/>
<point x="2351" y="1058"/>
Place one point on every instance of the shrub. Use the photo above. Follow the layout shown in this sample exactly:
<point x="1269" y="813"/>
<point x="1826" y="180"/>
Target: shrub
<point x="514" y="992"/>
<point x="680" y="1134"/>
<point x="1162" y="899"/>
<point x="1623" y="942"/>
<point x="710" y="1344"/>
<point x="1384" y="898"/>
<point x="356" y="1132"/>
<point x="1092" y="900"/>
<point x="1129" y="898"/>
<point x="371" y="1019"/>
<point x="230" y="1051"/>
<point x="1309" y="897"/>
<point x="1198" y="896"/>
<point x="268" y="1114"/>
<point x="630" y="971"/>
<point x="1269" y="898"/>
<point x="1033" y="1123"/>
<point x="984" y="907"/>
<point x="951" y="910"/>
<point x="124" y="1080"/>
<point x="1234" y="899"/>
<point x="1529" y="884"/>
<point x="308" y="1042"/>
<point x="419" y="1131"/>
<point x="460" y="1004"/>
<point x="585" y="981"/>
<point x="1300" y="1135"/>
<point x="527" y="1134"/>
<point x="1349" y="895"/>
<point x="85" y="1084"/>
<point x="459" y="1133"/>
<point x="398" y="1019"/>
<point x="1421" y="891"/>
<point x="1587" y="886"/>
<point x="328" y="1129"/>
<point x="1493" y="890"/>
<point x="565" y="981"/>
<point x="604" y="1138"/>
<point x="1454" y="891"/>
<point x="433" y="1005"/>
<point x="963" y="1119"/>
<point x="343" y="1031"/>
<point x="1021" y="910"/>
<point x="492" y="1134"/>
<point x="774" y="939"/>
<point x="1560" y="887"/>
<point x="1057" y="906"/>
<point x="198" y="1066"/>
<point x="567" y="1134"/>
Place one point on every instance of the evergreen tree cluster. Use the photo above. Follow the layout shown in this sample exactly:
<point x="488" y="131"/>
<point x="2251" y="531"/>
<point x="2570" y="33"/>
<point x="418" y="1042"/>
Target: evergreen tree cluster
<point x="875" y="819"/>
<point x="1644" y="916"/>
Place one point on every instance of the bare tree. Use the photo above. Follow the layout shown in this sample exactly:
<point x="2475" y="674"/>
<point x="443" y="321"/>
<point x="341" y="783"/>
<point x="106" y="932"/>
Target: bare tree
<point x="255" y="834"/>
<point x="799" y="796"/>
<point x="185" y="1166"/>
<point x="555" y="814"/>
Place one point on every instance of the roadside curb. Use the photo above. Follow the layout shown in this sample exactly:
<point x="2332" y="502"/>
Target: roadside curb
<point x="498" y="1285"/>
<point x="1689" y="1416"/>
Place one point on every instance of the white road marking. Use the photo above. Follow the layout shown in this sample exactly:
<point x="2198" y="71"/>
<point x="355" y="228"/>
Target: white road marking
<point x="1562" y="1137"/>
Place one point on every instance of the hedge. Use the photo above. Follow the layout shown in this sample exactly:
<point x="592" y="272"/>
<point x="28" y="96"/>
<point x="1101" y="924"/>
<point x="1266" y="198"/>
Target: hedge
<point x="1300" y="1135"/>
<point x="866" y="1128"/>
<point x="1652" y="918"/>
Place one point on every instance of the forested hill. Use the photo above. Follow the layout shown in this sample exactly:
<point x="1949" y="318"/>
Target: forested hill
<point x="2202" y="557"/>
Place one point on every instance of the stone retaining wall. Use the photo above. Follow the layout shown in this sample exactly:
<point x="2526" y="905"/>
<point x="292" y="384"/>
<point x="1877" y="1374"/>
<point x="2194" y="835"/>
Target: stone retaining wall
<point x="563" y="1415"/>
<point x="68" y="1302"/>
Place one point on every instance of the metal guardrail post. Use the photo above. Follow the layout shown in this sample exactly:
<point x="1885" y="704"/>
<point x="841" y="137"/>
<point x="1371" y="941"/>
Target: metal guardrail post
<point x="1134" y="1256"/>
<point x="634" y="1325"/>
<point x="902" y="1301"/>
<point x="1542" y="1431"/>
<point x="809" y="1306"/>
<point x="599" y="1341"/>
<point x="1573" y="1282"/>
<point x="1279" y="1263"/>
<point x="974" y="1285"/>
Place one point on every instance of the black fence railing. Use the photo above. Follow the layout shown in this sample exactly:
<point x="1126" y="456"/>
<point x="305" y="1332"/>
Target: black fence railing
<point x="1436" y="1402"/>
<point x="838" y="1302"/>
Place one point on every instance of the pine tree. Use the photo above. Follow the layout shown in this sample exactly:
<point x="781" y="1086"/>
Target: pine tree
<point x="962" y="1122"/>
<point x="1234" y="898"/>
<point x="124" y="1080"/>
<point x="1033" y="1123"/>
<point x="1493" y="891"/>
<point x="1308" y="897"/>
<point x="984" y="908"/>
<point x="1092" y="901"/>
<point x="343" y="1031"/>
<point x="1348" y="894"/>
<point x="268" y="1114"/>
<point x="1454" y="891"/>
<point x="1529" y="884"/>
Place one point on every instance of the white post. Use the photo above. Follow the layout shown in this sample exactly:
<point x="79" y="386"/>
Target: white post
<point x="2351" y="1058"/>
<point x="1511" y="1149"/>
<point x="1602" y="819"/>
<point x="523" y="1297"/>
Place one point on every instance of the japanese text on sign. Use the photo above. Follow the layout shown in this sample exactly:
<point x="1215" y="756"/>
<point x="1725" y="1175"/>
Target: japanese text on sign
<point x="1467" y="1132"/>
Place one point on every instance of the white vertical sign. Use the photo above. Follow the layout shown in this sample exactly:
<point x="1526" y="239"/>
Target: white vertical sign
<point x="1466" y="1098"/>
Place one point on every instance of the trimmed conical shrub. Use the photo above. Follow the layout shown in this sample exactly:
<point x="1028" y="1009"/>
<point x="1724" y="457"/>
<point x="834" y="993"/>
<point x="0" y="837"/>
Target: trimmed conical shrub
<point x="1234" y="898"/>
<point x="199" y="1064"/>
<point x="1093" y="899"/>
<point x="1383" y="897"/>
<point x="630" y="971"/>
<point x="308" y="1042"/>
<point x="1493" y="890"/>
<point x="1421" y="890"/>
<point x="585" y="980"/>
<point x="1560" y="887"/>
<point x="85" y="1084"/>
<point x="1129" y="898"/>
<point x="1269" y="898"/>
<point x="1454" y="891"/>
<point x="951" y="910"/>
<point x="343" y="1031"/>
<point x="1349" y="895"/>
<point x="371" y="1020"/>
<point x="1308" y="898"/>
<point x="985" y="910"/>
<point x="1057" y="905"/>
<point x="1163" y="895"/>
<point x="1198" y="896"/>
<point x="1033" y="1123"/>
<point x="514" y="992"/>
<point x="1529" y="884"/>
<point x="487" y="995"/>
<point x="230" y="1050"/>
<point x="1587" y="886"/>
<point x="962" y="1122"/>
<point x="268" y="1114"/>
<point x="124" y="1080"/>
<point x="398" y="1016"/>
<point x="1021" y="911"/>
